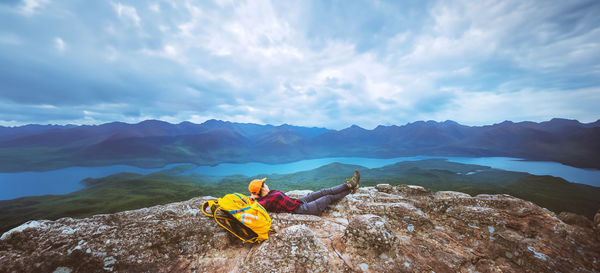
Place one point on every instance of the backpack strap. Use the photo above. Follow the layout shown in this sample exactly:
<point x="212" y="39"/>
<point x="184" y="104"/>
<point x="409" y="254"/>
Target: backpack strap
<point x="253" y="240"/>
<point x="236" y="194"/>
<point x="213" y="205"/>
<point x="232" y="212"/>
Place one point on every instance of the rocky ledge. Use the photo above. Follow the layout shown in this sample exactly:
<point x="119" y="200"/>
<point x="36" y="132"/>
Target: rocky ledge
<point x="378" y="229"/>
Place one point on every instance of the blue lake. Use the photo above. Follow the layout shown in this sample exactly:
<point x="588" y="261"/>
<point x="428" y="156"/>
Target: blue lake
<point x="14" y="185"/>
<point x="61" y="181"/>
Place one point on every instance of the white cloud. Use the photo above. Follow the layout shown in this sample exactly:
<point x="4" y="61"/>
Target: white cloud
<point x="295" y="79"/>
<point x="127" y="12"/>
<point x="254" y="32"/>
<point x="170" y="51"/>
<point x="483" y="108"/>
<point x="60" y="44"/>
<point x="526" y="33"/>
<point x="261" y="61"/>
<point x="30" y="7"/>
<point x="568" y="52"/>
<point x="154" y="7"/>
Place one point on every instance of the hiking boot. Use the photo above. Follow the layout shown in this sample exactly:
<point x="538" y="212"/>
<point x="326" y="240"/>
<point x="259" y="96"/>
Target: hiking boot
<point x="354" y="182"/>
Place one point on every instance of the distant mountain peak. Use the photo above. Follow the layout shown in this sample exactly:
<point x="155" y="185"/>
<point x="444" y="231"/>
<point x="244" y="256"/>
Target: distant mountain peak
<point x="354" y="129"/>
<point x="153" y="122"/>
<point x="215" y="123"/>
<point x="450" y="122"/>
<point x="562" y="121"/>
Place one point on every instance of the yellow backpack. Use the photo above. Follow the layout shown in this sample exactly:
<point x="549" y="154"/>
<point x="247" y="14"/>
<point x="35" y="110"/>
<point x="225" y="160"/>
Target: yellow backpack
<point x="243" y="217"/>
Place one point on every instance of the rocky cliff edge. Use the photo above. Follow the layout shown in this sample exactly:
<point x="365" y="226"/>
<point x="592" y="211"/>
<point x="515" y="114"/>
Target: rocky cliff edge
<point x="378" y="229"/>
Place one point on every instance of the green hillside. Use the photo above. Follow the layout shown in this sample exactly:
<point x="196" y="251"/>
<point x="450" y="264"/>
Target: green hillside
<point x="127" y="191"/>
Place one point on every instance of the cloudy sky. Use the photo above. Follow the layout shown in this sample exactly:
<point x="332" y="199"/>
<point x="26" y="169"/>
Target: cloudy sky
<point x="311" y="63"/>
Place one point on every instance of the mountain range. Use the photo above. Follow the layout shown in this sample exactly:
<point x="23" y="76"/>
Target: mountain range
<point x="154" y="143"/>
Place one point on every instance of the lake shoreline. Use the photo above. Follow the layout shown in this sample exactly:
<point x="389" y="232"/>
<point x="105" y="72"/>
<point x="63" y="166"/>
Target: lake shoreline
<point x="68" y="180"/>
<point x="158" y="164"/>
<point x="126" y="191"/>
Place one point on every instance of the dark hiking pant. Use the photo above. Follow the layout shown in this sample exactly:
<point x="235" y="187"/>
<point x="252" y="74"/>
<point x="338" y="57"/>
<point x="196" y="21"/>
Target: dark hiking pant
<point x="316" y="202"/>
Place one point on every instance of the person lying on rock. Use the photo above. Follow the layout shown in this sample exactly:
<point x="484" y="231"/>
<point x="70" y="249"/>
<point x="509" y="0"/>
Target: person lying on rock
<point x="313" y="203"/>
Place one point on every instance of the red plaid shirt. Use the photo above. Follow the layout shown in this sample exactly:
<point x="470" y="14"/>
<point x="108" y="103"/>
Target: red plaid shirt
<point x="277" y="201"/>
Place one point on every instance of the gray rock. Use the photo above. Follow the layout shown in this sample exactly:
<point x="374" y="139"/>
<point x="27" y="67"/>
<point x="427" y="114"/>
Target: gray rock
<point x="298" y="193"/>
<point x="387" y="188"/>
<point x="575" y="219"/>
<point x="406" y="229"/>
<point x="446" y="195"/>
<point x="372" y="231"/>
<point x="293" y="249"/>
<point x="412" y="190"/>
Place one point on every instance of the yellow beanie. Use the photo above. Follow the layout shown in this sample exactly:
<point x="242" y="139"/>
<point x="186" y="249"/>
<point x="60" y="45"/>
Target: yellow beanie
<point x="256" y="185"/>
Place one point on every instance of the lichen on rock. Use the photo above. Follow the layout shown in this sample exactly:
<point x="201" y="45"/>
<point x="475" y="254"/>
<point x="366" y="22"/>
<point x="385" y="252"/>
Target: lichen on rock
<point x="292" y="249"/>
<point x="372" y="231"/>
<point x="575" y="219"/>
